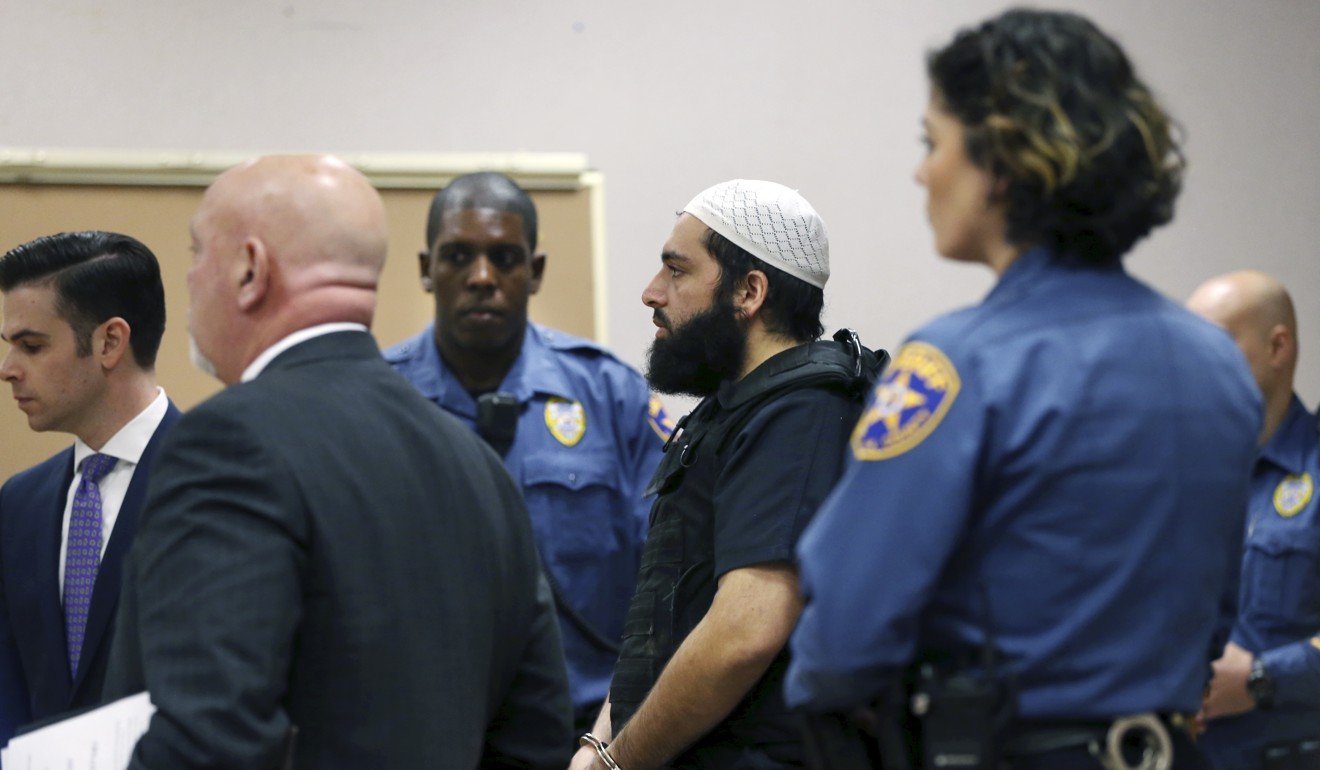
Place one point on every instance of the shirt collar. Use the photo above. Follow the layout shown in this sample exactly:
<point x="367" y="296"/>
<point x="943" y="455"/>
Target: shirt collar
<point x="260" y="363"/>
<point x="536" y="370"/>
<point x="130" y="441"/>
<point x="1288" y="446"/>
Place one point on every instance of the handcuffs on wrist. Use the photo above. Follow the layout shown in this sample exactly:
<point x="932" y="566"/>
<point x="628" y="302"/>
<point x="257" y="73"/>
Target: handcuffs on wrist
<point x="602" y="750"/>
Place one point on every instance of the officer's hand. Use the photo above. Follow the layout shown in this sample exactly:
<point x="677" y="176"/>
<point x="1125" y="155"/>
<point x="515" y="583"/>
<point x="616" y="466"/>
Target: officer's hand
<point x="1227" y="694"/>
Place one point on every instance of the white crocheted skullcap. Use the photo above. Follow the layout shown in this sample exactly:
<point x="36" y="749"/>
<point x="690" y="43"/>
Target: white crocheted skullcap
<point x="770" y="221"/>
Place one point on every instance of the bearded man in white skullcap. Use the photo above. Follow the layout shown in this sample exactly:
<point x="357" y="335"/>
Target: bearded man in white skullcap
<point x="737" y="303"/>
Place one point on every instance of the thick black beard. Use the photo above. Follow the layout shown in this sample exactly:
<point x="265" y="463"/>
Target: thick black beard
<point x="697" y="356"/>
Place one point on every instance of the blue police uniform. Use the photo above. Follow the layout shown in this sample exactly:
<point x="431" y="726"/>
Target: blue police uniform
<point x="1065" y="463"/>
<point x="1279" y="615"/>
<point x="589" y="436"/>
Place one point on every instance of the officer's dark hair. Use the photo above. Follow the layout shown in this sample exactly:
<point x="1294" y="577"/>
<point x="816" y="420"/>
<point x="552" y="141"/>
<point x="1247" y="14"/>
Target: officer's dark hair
<point x="1086" y="158"/>
<point x="792" y="306"/>
<point x="96" y="276"/>
<point x="484" y="189"/>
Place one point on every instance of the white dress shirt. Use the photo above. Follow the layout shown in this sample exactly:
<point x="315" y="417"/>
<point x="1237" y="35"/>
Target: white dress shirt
<point x="302" y="335"/>
<point x="127" y="447"/>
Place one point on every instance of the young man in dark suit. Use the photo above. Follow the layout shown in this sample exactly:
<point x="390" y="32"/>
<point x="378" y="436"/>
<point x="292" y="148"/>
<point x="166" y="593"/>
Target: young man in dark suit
<point x="323" y="548"/>
<point x="83" y="316"/>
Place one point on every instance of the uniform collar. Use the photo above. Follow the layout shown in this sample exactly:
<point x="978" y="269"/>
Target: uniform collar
<point x="536" y="369"/>
<point x="1033" y="263"/>
<point x="1288" y="447"/>
<point x="1022" y="271"/>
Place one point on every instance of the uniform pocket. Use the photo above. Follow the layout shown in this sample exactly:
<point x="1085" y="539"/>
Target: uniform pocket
<point x="576" y="504"/>
<point x="1280" y="576"/>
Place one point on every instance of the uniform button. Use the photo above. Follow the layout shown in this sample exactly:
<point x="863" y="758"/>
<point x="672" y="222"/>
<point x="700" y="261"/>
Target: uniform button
<point x="572" y="478"/>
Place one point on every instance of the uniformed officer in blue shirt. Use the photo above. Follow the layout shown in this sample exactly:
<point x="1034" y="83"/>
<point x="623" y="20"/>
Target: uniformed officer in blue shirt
<point x="1263" y="706"/>
<point x="1045" y="492"/>
<point x="578" y="428"/>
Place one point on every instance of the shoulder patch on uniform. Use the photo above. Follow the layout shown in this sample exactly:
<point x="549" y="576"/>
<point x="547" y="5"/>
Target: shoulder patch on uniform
<point x="1292" y="494"/>
<point x="656" y="417"/>
<point x="566" y="419"/>
<point x="909" y="402"/>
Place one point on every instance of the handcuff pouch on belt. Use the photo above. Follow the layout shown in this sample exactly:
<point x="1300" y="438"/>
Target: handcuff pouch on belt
<point x="944" y="711"/>
<point x="959" y="712"/>
<point x="938" y="716"/>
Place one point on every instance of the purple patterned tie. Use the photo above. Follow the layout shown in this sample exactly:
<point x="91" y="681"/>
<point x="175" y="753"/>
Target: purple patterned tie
<point x="83" y="554"/>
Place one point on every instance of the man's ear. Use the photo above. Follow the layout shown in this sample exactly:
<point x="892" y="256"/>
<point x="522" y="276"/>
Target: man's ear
<point x="1282" y="346"/>
<point x="255" y="280"/>
<point x="750" y="294"/>
<point x="424" y="270"/>
<point x="538" y="270"/>
<point x="111" y="342"/>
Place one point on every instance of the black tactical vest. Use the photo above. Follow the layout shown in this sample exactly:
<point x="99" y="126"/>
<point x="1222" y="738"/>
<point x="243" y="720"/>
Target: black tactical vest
<point x="676" y="582"/>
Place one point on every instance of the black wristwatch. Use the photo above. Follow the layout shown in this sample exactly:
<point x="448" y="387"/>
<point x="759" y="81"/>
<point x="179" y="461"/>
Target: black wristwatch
<point x="1260" y="686"/>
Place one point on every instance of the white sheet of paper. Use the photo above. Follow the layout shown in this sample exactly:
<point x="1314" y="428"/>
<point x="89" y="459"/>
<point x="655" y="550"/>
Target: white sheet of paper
<point x="101" y="739"/>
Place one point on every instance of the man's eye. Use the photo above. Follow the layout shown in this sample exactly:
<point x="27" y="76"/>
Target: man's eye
<point x="507" y="259"/>
<point x="454" y="255"/>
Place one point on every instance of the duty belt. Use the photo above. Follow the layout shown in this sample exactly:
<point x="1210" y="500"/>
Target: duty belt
<point x="1136" y="742"/>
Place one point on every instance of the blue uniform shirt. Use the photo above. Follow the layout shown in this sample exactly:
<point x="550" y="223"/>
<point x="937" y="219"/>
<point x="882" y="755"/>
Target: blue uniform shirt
<point x="1067" y="461"/>
<point x="1279" y="619"/>
<point x="589" y="437"/>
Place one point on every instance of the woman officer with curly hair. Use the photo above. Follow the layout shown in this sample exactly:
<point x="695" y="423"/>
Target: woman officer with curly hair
<point x="1059" y="472"/>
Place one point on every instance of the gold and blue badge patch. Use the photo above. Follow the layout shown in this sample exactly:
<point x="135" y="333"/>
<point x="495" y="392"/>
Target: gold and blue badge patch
<point x="566" y="419"/>
<point x="911" y="400"/>
<point x="657" y="419"/>
<point x="1292" y="494"/>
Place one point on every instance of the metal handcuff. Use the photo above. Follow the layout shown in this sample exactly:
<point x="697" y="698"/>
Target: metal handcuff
<point x="1154" y="741"/>
<point x="603" y="750"/>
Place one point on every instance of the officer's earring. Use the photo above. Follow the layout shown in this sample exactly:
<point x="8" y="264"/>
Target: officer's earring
<point x="426" y="282"/>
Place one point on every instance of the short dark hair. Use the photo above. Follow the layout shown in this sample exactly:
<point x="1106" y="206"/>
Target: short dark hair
<point x="96" y="276"/>
<point x="792" y="306"/>
<point x="484" y="189"/>
<point x="1052" y="107"/>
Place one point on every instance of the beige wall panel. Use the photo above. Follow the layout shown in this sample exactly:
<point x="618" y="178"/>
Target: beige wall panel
<point x="159" y="217"/>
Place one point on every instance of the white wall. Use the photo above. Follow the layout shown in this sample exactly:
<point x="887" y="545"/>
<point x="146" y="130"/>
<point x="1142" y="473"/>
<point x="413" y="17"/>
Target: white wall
<point x="667" y="98"/>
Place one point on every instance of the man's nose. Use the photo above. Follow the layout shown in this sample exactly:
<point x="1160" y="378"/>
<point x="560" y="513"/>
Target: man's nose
<point x="8" y="372"/>
<point x="652" y="296"/>
<point x="481" y="272"/>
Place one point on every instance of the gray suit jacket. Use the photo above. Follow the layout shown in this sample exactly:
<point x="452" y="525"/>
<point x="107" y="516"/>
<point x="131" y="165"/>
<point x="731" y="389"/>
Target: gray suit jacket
<point x="321" y="547"/>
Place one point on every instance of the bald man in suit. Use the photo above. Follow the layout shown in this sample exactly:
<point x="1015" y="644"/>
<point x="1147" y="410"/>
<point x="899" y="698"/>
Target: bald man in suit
<point x="322" y="548"/>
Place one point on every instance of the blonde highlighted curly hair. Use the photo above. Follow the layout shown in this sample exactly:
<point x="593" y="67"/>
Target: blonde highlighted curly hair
<point x="1087" y="159"/>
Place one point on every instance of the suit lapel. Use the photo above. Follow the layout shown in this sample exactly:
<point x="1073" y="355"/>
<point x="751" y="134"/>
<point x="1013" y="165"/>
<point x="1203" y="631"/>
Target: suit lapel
<point x="109" y="576"/>
<point x="48" y="512"/>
